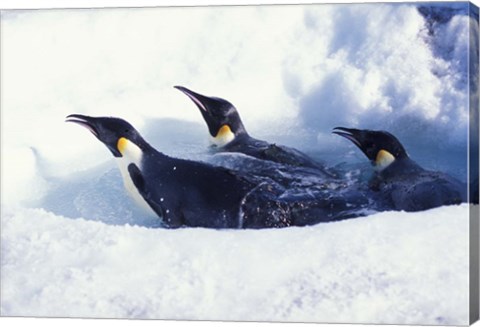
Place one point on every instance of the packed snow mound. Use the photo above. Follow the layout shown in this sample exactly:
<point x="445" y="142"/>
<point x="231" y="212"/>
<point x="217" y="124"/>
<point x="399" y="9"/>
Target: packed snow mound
<point x="391" y="267"/>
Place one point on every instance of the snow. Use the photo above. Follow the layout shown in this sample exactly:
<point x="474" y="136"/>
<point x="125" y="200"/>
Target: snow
<point x="390" y="267"/>
<point x="74" y="244"/>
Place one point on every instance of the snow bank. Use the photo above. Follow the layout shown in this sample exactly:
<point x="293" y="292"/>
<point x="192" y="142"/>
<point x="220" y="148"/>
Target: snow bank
<point x="391" y="267"/>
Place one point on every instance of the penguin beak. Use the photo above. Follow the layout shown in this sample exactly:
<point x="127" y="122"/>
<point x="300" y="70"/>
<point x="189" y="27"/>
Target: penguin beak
<point x="200" y="100"/>
<point x="350" y="134"/>
<point x="96" y="125"/>
<point x="85" y="121"/>
<point x="357" y="137"/>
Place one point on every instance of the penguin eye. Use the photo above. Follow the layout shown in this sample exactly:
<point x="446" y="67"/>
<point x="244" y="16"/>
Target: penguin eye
<point x="127" y="130"/>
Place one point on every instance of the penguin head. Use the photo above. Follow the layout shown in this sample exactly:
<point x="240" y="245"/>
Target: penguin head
<point x="380" y="147"/>
<point x="222" y="118"/>
<point x="121" y="138"/>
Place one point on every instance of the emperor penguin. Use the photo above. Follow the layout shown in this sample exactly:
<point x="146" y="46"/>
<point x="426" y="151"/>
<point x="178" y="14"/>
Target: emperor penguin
<point x="228" y="134"/>
<point x="181" y="192"/>
<point x="401" y="182"/>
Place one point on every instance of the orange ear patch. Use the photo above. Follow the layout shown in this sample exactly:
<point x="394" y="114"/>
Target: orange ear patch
<point x="224" y="131"/>
<point x="122" y="145"/>
<point x="224" y="136"/>
<point x="384" y="159"/>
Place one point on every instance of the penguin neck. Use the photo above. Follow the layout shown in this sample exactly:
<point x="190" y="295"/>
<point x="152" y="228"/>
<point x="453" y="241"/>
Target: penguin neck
<point x="136" y="153"/>
<point x="133" y="151"/>
<point x="401" y="166"/>
<point x="227" y="135"/>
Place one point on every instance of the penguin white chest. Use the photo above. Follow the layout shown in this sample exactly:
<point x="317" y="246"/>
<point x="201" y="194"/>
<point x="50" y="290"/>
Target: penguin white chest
<point x="131" y="154"/>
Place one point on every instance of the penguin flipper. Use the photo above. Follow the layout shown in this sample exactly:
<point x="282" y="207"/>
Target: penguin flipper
<point x="139" y="182"/>
<point x="137" y="178"/>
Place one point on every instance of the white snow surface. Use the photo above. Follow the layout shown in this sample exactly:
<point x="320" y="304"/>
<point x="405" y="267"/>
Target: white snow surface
<point x="390" y="267"/>
<point x="73" y="244"/>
